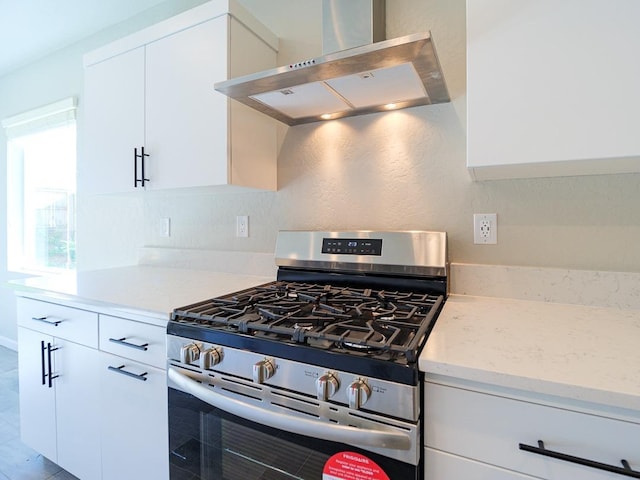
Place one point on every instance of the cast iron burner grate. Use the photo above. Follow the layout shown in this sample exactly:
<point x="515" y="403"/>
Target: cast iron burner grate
<point x="379" y="323"/>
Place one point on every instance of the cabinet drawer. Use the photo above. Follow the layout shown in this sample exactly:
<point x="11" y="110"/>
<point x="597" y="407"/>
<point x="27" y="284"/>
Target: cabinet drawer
<point x="489" y="429"/>
<point x="443" y="466"/>
<point x="134" y="425"/>
<point x="134" y="340"/>
<point x="59" y="321"/>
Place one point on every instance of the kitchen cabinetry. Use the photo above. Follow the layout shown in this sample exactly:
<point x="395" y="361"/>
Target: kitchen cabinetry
<point x="154" y="89"/>
<point x="551" y="92"/>
<point x="114" y="125"/>
<point x="476" y="434"/>
<point x="93" y="391"/>
<point x="59" y="386"/>
<point x="134" y="400"/>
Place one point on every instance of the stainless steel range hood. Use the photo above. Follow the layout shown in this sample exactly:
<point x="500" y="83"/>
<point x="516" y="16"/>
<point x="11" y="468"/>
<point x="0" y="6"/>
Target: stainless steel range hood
<point x="386" y="75"/>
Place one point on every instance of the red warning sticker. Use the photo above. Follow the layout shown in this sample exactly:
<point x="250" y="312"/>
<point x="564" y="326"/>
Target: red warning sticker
<point x="352" y="466"/>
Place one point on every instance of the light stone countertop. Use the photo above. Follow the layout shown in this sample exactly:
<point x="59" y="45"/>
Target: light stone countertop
<point x="490" y="330"/>
<point x="145" y="291"/>
<point x="583" y="353"/>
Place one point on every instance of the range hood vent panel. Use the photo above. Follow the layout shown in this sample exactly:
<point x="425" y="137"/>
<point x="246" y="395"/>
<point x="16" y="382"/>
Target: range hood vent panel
<point x="383" y="86"/>
<point x="329" y="84"/>
<point x="301" y="101"/>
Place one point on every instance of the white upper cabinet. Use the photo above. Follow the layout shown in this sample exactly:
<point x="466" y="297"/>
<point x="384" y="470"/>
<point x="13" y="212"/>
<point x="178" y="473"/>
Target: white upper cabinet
<point x="552" y="87"/>
<point x="154" y="90"/>
<point x="114" y="123"/>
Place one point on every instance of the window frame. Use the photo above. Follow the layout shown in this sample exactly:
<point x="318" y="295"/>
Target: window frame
<point x="39" y="120"/>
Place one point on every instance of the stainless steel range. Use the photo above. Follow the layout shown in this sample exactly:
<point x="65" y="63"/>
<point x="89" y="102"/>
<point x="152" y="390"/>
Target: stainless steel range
<point x="313" y="375"/>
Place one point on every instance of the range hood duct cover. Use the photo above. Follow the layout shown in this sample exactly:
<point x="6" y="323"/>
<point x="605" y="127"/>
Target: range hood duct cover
<point x="365" y="78"/>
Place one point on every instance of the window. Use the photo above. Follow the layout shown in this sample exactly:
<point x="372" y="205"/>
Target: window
<point x="41" y="189"/>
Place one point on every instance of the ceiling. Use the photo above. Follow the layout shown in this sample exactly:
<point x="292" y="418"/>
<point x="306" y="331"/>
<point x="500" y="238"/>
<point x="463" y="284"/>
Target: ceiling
<point x="32" y="29"/>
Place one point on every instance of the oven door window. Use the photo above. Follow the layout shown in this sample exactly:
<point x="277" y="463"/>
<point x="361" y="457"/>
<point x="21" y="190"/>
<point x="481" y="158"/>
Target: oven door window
<point x="206" y="443"/>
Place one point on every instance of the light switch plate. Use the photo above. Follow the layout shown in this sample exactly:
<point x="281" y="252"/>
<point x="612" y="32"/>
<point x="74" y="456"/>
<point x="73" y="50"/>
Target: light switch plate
<point x="242" y="226"/>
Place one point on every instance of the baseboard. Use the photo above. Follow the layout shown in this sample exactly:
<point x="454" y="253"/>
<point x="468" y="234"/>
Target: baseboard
<point x="9" y="343"/>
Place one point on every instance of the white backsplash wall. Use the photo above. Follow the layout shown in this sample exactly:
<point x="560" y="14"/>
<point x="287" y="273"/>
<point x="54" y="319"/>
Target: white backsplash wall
<point x="407" y="170"/>
<point x="370" y="172"/>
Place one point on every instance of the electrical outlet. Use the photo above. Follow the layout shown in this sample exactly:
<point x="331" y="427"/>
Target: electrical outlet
<point x="485" y="228"/>
<point x="242" y="226"/>
<point x="165" y="227"/>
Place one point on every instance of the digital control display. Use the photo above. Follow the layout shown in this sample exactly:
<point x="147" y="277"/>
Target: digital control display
<point x="352" y="246"/>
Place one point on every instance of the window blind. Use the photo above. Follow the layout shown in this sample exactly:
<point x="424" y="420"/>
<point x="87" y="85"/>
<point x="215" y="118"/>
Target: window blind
<point x="49" y="116"/>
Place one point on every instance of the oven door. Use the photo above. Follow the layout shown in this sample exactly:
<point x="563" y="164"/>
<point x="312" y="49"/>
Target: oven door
<point x="208" y="442"/>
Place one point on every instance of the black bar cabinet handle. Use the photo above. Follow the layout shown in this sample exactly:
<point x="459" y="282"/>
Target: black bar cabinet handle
<point x="141" y="156"/>
<point x="45" y="319"/>
<point x="144" y="179"/>
<point x="42" y="350"/>
<point x="142" y="376"/>
<point x="50" y="373"/>
<point x="135" y="168"/>
<point x="541" y="450"/>
<point x="121" y="341"/>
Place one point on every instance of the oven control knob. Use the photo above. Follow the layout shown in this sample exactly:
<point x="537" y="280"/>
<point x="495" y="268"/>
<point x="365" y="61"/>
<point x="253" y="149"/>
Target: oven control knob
<point x="189" y="353"/>
<point x="210" y="357"/>
<point x="358" y="393"/>
<point x="263" y="370"/>
<point x="326" y="386"/>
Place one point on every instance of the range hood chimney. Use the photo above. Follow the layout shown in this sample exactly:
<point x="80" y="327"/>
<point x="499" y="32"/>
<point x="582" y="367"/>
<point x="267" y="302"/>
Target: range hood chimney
<point x="366" y="75"/>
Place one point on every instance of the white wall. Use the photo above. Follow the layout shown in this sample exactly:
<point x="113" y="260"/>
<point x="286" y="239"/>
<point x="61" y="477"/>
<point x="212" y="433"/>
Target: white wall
<point x="406" y="170"/>
<point x="400" y="170"/>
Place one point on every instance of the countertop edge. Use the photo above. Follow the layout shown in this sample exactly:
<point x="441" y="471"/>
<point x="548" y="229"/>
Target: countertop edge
<point x="469" y="342"/>
<point x="536" y="386"/>
<point x="103" y="308"/>
<point x="146" y="293"/>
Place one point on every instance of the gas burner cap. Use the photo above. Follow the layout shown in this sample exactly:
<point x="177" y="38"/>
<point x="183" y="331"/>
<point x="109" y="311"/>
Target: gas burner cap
<point x="371" y="342"/>
<point x="303" y="326"/>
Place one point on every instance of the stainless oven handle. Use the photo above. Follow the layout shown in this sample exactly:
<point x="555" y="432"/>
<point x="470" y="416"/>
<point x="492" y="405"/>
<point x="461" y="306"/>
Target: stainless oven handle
<point x="312" y="428"/>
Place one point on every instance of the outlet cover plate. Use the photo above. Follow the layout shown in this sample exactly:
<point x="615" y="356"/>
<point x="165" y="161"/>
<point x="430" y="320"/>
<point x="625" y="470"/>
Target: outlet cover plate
<point x="485" y="228"/>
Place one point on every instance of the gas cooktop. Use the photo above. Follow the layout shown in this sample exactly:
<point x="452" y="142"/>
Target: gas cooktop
<point x="381" y="324"/>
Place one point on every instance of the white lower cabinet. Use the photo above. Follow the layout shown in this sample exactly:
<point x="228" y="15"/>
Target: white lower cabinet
<point x="93" y="391"/>
<point x="134" y="420"/>
<point x="478" y="434"/>
<point x="133" y="407"/>
<point x="59" y="390"/>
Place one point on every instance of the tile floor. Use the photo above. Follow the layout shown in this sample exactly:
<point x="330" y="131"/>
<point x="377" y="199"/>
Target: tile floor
<point x="17" y="461"/>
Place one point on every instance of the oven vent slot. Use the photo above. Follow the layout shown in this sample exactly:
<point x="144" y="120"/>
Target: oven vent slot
<point x="237" y="387"/>
<point x="292" y="409"/>
<point x="295" y="398"/>
<point x="238" y="381"/>
<point x="175" y="363"/>
<point x="378" y="421"/>
<point x="238" y="392"/>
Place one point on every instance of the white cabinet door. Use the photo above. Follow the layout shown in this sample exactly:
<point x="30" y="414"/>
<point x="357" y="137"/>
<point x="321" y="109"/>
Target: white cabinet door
<point x="155" y="88"/>
<point x="77" y="400"/>
<point x="186" y="127"/>
<point x="134" y="422"/>
<point x="552" y="92"/>
<point x="37" y="400"/>
<point x="58" y="401"/>
<point x="114" y="123"/>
